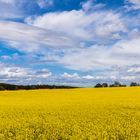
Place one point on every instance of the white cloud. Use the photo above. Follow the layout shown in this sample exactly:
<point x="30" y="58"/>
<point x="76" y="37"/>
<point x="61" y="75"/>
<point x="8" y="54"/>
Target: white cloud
<point x="43" y="73"/>
<point x="134" y="70"/>
<point x="128" y="78"/>
<point x="44" y="4"/>
<point x="66" y="29"/>
<point x="87" y="5"/>
<point x="71" y="23"/>
<point x="108" y="77"/>
<point x="88" y="77"/>
<point x="128" y="48"/>
<point x="8" y="1"/>
<point x="133" y="4"/>
<point x="9" y="10"/>
<point x="90" y="6"/>
<point x="74" y="29"/>
<point x="123" y="53"/>
<point x="80" y="25"/>
<point x="85" y="40"/>
<point x="20" y="75"/>
<point x="62" y="30"/>
<point x="27" y="38"/>
<point x="8" y="73"/>
<point x="134" y="34"/>
<point x="73" y="76"/>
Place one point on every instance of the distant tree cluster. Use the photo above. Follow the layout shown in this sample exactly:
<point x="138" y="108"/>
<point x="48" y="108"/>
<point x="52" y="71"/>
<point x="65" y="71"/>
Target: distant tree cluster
<point x="4" y="86"/>
<point x="101" y="85"/>
<point x="116" y="84"/>
<point x="133" y="84"/>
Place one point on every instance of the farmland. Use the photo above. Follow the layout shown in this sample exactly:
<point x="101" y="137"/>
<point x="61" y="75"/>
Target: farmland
<point x="63" y="114"/>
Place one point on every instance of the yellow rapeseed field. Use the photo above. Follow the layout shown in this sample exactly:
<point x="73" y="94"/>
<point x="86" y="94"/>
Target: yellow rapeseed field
<point x="75" y="114"/>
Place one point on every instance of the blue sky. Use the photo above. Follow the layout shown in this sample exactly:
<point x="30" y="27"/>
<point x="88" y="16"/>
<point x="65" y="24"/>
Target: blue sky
<point x="69" y="42"/>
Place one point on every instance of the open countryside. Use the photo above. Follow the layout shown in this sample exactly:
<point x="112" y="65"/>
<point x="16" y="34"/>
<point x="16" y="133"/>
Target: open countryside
<point x="74" y="114"/>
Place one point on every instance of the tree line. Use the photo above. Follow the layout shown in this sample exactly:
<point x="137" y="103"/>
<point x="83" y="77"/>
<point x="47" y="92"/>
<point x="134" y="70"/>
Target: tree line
<point x="116" y="84"/>
<point x="4" y="86"/>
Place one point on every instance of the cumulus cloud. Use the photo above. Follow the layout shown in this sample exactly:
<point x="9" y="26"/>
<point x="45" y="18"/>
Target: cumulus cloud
<point x="133" y="4"/>
<point x="21" y="75"/>
<point x="88" y="77"/>
<point x="63" y="30"/>
<point x="44" y="3"/>
<point x="109" y="76"/>
<point x="90" y="5"/>
<point x="8" y="9"/>
<point x="12" y="9"/>
<point x="8" y="1"/>
<point x="14" y="73"/>
<point x="134" y="70"/>
<point x="80" y="25"/>
<point x="122" y="53"/>
<point x="43" y="73"/>
<point x="87" y="5"/>
<point x="86" y="40"/>
<point x="20" y="36"/>
<point x="73" y="76"/>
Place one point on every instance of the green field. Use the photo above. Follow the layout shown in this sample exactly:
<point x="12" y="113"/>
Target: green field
<point x="75" y="114"/>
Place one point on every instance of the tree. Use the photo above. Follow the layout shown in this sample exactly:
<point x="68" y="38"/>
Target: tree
<point x="98" y="85"/>
<point x="104" y="85"/>
<point x="133" y="84"/>
<point x="116" y="84"/>
<point x="2" y="88"/>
